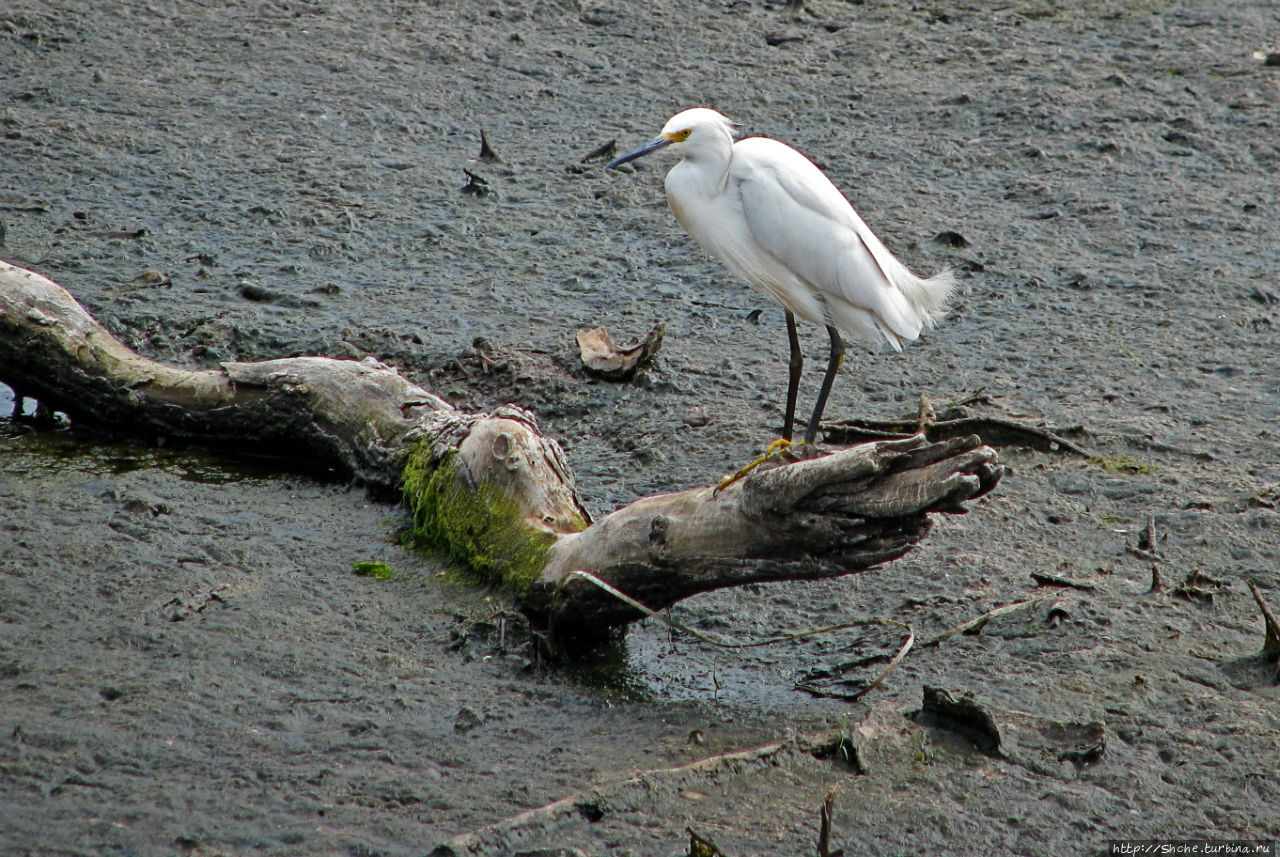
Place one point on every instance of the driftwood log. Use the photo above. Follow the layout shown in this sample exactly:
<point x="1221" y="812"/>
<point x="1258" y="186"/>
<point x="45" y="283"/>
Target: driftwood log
<point x="489" y="489"/>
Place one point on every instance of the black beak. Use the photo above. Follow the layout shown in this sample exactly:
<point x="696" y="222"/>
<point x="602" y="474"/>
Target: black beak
<point x="652" y="146"/>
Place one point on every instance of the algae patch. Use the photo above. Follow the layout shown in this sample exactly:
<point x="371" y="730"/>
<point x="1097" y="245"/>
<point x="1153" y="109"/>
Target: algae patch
<point x="476" y="524"/>
<point x="1124" y="464"/>
<point x="376" y="570"/>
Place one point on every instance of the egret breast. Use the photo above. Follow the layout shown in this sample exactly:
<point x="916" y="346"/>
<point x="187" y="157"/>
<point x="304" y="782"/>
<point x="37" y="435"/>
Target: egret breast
<point x="713" y="216"/>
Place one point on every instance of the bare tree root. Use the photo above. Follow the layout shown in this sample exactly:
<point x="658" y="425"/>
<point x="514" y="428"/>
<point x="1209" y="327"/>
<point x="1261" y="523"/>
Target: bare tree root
<point x="957" y="421"/>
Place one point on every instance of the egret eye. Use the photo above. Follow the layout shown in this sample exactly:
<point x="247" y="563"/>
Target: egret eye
<point x="681" y="136"/>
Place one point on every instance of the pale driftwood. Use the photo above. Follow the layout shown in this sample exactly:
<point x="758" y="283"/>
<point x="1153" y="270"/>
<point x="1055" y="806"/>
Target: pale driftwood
<point x="489" y="488"/>
<point x="811" y="519"/>
<point x="353" y="415"/>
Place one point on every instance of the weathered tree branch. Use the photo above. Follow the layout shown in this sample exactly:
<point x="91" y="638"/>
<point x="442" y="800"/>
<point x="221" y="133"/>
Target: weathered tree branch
<point x="489" y="489"/>
<point x="357" y="416"/>
<point x="817" y="518"/>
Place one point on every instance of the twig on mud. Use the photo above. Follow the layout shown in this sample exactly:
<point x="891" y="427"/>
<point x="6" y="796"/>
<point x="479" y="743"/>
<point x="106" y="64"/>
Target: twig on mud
<point x="1145" y="554"/>
<point x="498" y="837"/>
<point x="477" y="185"/>
<point x="785" y="638"/>
<point x="487" y="153"/>
<point x="1146" y="546"/>
<point x="1146" y="549"/>
<point x="487" y="363"/>
<point x="725" y="644"/>
<point x="960" y="420"/>
<point x="1158" y="446"/>
<point x="1147" y="541"/>
<point x="978" y="622"/>
<point x="1270" y="643"/>
<point x="1058" y="612"/>
<point x="181" y="606"/>
<point x="926" y="416"/>
<point x="605" y="151"/>
<point x="810" y="687"/>
<point x="1045" y="579"/>
<point x="824" y="830"/>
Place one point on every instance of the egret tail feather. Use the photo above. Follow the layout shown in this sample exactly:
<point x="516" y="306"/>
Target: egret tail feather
<point x="928" y="296"/>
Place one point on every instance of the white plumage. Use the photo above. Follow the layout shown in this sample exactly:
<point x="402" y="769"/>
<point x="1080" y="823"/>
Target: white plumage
<point x="773" y="218"/>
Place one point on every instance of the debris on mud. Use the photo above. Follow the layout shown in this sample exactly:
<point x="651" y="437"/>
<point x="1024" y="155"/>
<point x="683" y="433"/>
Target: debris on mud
<point x="1034" y="741"/>
<point x="604" y="358"/>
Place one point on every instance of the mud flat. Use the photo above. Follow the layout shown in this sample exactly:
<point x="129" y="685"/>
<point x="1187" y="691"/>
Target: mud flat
<point x="188" y="664"/>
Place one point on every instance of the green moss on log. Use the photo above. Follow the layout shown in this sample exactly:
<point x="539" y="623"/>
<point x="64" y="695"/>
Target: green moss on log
<point x="476" y="524"/>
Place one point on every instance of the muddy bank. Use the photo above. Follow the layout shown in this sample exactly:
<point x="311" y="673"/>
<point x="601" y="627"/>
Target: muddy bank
<point x="188" y="663"/>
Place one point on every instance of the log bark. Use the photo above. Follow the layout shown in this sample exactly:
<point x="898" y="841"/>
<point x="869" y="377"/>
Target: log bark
<point x="489" y="489"/>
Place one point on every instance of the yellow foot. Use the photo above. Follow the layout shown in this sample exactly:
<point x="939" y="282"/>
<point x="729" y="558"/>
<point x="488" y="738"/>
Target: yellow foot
<point x="777" y="449"/>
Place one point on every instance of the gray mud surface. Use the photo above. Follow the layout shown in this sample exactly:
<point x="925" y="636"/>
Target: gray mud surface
<point x="188" y="665"/>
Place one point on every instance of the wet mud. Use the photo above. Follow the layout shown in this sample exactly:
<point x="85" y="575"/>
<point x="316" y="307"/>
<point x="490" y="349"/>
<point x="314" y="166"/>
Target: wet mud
<point x="189" y="665"/>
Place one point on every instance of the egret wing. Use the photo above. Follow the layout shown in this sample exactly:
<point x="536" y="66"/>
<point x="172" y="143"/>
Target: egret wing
<point x="800" y="218"/>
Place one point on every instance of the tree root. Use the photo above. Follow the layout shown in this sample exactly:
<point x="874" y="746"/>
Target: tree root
<point x="958" y="421"/>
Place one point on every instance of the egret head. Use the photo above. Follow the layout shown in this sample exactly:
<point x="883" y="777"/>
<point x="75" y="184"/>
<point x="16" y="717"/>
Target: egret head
<point x="695" y="130"/>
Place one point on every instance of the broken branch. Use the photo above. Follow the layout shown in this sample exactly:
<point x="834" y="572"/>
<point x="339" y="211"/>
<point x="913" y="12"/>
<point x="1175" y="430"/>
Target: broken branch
<point x="489" y="489"/>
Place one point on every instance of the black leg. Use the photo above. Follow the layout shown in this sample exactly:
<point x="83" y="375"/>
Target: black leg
<point x="794" y="365"/>
<point x="837" y="357"/>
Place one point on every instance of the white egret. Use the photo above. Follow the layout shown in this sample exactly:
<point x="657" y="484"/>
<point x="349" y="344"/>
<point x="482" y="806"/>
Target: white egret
<point x="773" y="218"/>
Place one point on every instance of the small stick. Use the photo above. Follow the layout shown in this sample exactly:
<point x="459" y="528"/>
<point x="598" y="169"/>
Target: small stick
<point x="1045" y="579"/>
<point x="1039" y="437"/>
<point x="897" y="659"/>
<point x="884" y="674"/>
<point x="980" y="621"/>
<point x="1271" y="643"/>
<point x="925" y="416"/>
<point x="824" y="831"/>
<point x="606" y="150"/>
<point x="476" y="184"/>
<point x="487" y="363"/>
<point x="1137" y="551"/>
<point x="1146" y="546"/>
<point x="1147" y="541"/>
<point x="486" y="151"/>
<point x="725" y="644"/>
